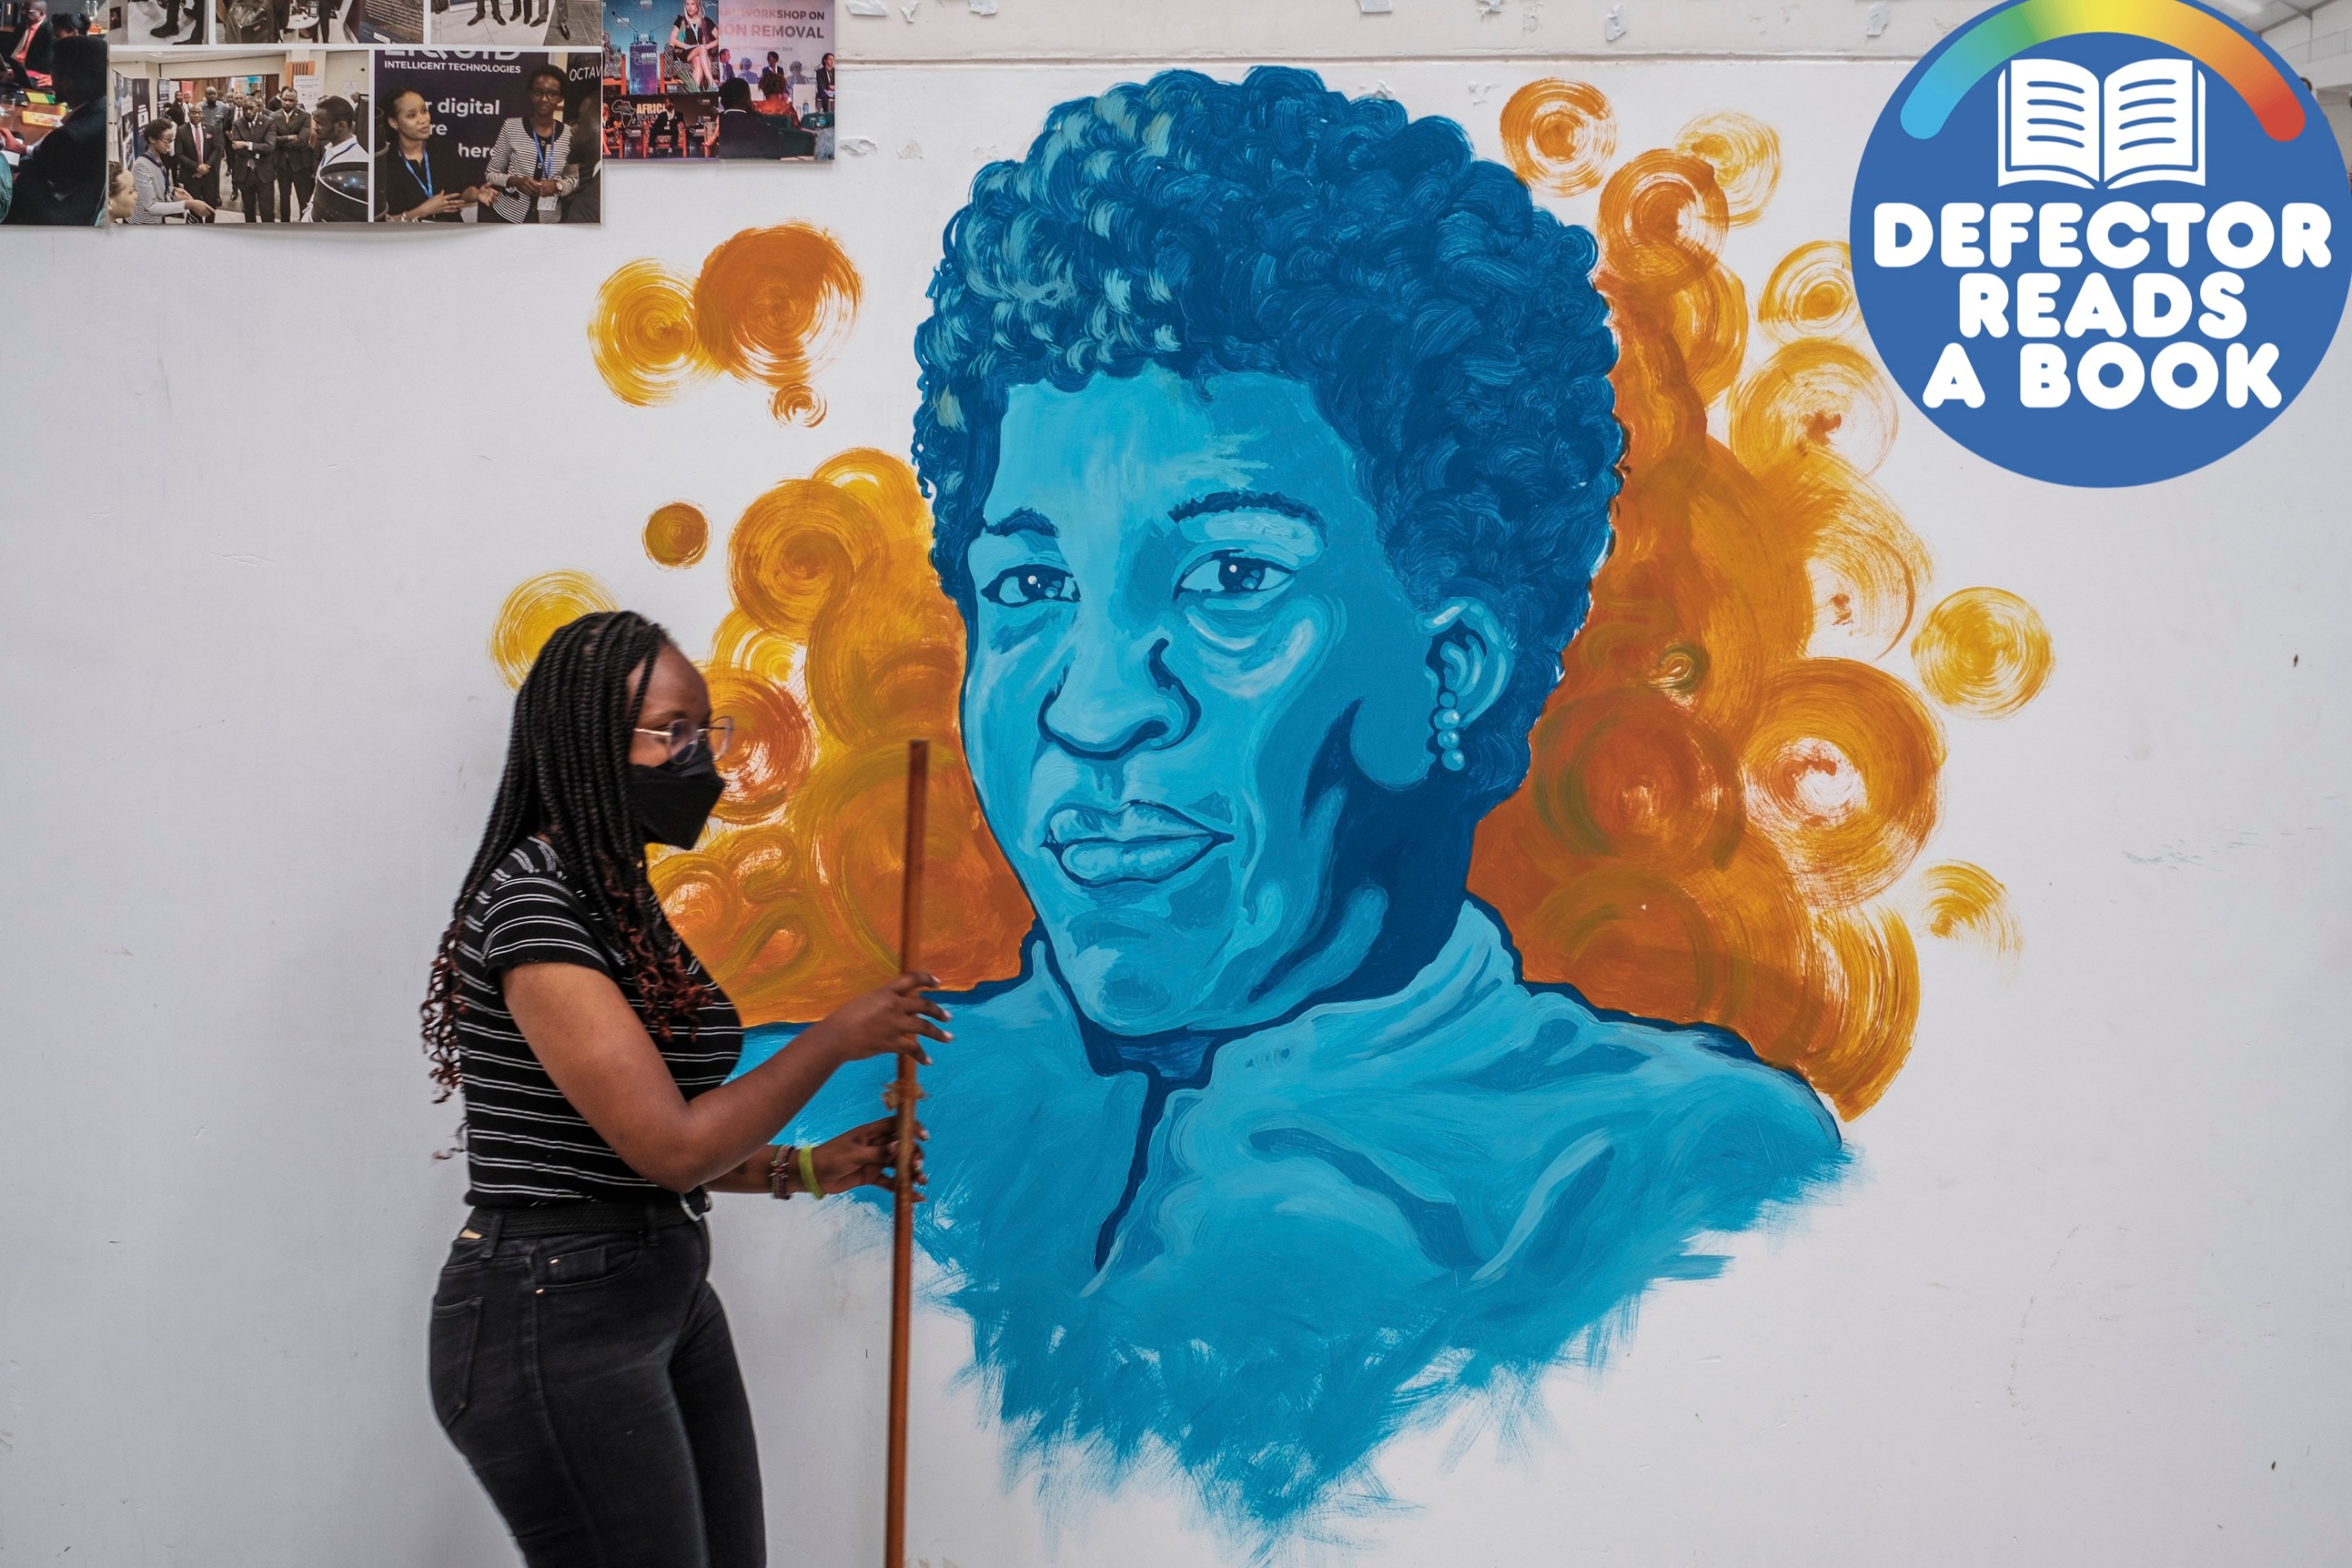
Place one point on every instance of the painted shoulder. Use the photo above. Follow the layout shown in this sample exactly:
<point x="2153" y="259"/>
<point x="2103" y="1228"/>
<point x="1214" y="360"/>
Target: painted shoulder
<point x="1566" y="1040"/>
<point x="1703" y="1051"/>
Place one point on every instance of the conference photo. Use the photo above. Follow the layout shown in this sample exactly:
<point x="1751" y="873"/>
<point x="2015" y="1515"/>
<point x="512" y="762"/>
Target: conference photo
<point x="241" y="136"/>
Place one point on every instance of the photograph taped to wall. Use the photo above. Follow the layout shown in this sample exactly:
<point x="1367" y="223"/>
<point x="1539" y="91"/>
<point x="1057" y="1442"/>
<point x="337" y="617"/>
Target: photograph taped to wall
<point x="719" y="79"/>
<point x="514" y="24"/>
<point x="254" y="136"/>
<point x="487" y="136"/>
<point x="318" y="21"/>
<point x="53" y="92"/>
<point x="142" y="24"/>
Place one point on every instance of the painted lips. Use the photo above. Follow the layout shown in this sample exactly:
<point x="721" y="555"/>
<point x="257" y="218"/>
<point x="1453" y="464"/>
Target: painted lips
<point x="1138" y="842"/>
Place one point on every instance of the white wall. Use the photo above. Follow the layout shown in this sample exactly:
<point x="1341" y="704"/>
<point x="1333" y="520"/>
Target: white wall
<point x="2084" y="1305"/>
<point x="2318" y="46"/>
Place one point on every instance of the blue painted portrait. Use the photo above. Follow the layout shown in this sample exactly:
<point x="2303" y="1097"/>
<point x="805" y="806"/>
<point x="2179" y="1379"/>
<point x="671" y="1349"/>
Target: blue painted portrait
<point x="1270" y="444"/>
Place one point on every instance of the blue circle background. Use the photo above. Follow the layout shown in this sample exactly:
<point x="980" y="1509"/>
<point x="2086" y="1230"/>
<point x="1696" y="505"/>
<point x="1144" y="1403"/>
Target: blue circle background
<point x="1912" y="313"/>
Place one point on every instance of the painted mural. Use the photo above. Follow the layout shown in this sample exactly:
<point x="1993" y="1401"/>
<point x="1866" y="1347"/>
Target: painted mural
<point x="1433" y="831"/>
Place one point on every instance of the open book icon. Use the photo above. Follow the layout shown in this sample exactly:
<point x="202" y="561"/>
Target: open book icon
<point x="2059" y="122"/>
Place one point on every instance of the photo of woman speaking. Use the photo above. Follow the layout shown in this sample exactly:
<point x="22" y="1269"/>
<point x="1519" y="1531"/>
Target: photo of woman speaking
<point x="157" y="196"/>
<point x="418" y="175"/>
<point x="530" y="166"/>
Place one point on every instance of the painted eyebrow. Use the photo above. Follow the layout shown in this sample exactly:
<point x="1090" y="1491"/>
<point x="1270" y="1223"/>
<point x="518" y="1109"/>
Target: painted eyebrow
<point x="1247" y="500"/>
<point x="1022" y="520"/>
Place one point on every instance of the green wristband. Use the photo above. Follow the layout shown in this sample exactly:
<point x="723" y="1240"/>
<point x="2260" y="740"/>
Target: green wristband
<point x="808" y="1171"/>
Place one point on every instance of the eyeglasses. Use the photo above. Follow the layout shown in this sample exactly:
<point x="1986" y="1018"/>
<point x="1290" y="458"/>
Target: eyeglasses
<point x="683" y="737"/>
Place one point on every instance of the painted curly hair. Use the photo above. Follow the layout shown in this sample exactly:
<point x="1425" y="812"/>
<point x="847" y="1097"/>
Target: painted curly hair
<point x="1447" y="328"/>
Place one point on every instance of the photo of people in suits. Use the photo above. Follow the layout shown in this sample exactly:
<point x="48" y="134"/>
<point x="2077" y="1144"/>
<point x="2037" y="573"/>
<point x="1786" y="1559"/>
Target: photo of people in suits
<point x="278" y="136"/>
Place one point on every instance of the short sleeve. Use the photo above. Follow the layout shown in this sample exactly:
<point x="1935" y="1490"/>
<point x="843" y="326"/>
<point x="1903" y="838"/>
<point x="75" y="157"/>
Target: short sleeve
<point x="536" y="918"/>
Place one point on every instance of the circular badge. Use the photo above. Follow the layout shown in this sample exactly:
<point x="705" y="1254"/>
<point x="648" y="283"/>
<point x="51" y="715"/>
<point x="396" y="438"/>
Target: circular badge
<point x="2101" y="242"/>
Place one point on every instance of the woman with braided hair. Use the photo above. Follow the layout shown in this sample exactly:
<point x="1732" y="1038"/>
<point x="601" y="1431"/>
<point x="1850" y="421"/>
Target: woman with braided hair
<point x="579" y="1359"/>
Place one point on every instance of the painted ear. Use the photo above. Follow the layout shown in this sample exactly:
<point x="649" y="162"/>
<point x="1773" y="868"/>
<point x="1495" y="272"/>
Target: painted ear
<point x="1470" y="652"/>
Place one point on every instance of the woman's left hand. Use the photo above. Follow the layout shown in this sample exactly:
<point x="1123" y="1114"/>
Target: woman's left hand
<point x="861" y="1157"/>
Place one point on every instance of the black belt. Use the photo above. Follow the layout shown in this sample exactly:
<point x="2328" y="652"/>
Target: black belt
<point x="566" y="1218"/>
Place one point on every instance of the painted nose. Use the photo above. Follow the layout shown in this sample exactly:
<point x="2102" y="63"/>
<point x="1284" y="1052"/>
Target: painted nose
<point x="1116" y="700"/>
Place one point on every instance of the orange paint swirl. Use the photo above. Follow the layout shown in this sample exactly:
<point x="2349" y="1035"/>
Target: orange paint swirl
<point x="773" y="744"/>
<point x="1631" y="773"/>
<point x="1710" y="329"/>
<point x="1745" y="155"/>
<point x="535" y="611"/>
<point x="676" y="534"/>
<point x="1983" y="652"/>
<point x="1558" y="135"/>
<point x="1811" y="293"/>
<point x="1841" y="771"/>
<point x="642" y="333"/>
<point x="794" y="906"/>
<point x="1867" y="567"/>
<point x="1720" y="803"/>
<point x="1868" y="987"/>
<point x="1662" y="220"/>
<point x="770" y="305"/>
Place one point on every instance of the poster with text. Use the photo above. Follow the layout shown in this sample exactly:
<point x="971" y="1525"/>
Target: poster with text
<point x="699" y="79"/>
<point x="487" y="136"/>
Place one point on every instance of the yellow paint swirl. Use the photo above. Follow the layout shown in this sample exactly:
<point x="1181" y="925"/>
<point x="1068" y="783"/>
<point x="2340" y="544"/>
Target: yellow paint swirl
<point x="642" y="333"/>
<point x="676" y="534"/>
<point x="538" y="608"/>
<point x="1966" y="904"/>
<point x="1745" y="155"/>
<point x="1983" y="652"/>
<point x="1811" y="293"/>
<point x="1815" y="394"/>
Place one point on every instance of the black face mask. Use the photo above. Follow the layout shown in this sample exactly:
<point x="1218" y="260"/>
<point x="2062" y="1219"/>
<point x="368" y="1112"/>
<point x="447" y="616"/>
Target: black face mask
<point x="673" y="800"/>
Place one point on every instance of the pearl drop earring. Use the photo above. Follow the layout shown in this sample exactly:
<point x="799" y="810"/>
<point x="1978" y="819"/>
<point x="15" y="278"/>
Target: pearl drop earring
<point x="1447" y="721"/>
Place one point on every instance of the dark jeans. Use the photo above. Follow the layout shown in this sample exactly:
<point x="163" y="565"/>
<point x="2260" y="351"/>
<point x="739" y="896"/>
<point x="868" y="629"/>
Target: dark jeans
<point x="591" y="1383"/>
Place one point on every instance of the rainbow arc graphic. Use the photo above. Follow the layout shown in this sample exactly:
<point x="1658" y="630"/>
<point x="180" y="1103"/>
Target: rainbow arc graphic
<point x="2000" y="35"/>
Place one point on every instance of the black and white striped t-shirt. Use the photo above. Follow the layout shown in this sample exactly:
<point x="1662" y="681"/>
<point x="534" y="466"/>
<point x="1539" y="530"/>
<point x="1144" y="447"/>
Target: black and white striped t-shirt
<point x="524" y="1143"/>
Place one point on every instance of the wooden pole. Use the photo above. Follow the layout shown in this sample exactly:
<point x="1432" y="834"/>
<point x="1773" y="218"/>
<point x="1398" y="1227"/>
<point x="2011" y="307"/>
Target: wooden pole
<point x="902" y="1187"/>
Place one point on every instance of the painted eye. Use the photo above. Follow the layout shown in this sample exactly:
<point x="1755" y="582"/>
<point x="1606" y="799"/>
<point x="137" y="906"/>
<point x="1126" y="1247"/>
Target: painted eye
<point x="1031" y="585"/>
<point x="1233" y="577"/>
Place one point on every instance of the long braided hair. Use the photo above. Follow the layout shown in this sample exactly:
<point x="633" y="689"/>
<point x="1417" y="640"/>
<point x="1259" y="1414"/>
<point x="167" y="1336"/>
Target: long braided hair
<point x="567" y="777"/>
